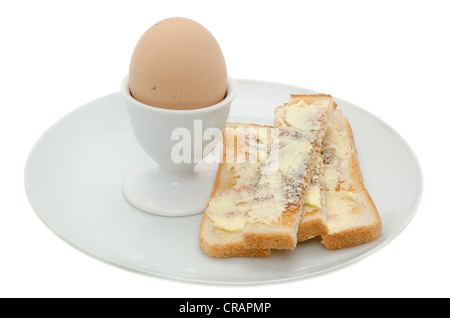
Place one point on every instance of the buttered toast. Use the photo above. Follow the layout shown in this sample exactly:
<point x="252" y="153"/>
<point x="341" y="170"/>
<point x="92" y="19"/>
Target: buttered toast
<point x="347" y="215"/>
<point x="238" y="175"/>
<point x="333" y="204"/>
<point x="274" y="216"/>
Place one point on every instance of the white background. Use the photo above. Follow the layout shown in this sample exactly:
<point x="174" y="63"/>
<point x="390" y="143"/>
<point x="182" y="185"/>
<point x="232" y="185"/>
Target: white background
<point x="389" y="57"/>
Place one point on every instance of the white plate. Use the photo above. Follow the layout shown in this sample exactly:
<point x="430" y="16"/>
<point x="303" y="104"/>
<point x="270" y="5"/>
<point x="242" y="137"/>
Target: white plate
<point x="75" y="173"/>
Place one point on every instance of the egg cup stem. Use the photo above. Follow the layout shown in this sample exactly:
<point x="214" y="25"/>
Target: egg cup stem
<point x="151" y="189"/>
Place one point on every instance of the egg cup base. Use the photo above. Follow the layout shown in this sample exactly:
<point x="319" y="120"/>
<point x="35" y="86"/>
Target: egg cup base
<point x="153" y="190"/>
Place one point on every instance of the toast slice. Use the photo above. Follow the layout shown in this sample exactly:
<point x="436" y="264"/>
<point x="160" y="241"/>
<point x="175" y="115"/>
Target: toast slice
<point x="245" y="148"/>
<point x="347" y="215"/>
<point x="275" y="213"/>
<point x="335" y="204"/>
<point x="352" y="217"/>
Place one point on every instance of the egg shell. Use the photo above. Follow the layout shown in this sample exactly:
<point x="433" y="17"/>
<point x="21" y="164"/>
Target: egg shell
<point x="178" y="64"/>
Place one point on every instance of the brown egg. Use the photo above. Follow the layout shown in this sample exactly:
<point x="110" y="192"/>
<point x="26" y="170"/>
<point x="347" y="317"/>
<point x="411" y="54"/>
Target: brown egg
<point x="178" y="64"/>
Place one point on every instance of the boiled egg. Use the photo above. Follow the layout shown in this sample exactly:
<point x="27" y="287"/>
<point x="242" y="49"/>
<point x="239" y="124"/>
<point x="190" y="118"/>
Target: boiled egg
<point x="178" y="64"/>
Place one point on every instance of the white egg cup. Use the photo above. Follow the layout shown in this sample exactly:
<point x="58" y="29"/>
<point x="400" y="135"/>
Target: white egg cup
<point x="167" y="186"/>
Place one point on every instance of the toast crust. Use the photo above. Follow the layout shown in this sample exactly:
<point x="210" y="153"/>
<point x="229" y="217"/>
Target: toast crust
<point x="311" y="225"/>
<point x="219" y="243"/>
<point x="352" y="237"/>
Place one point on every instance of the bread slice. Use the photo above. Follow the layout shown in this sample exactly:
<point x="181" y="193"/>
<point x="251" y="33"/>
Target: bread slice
<point x="245" y="148"/>
<point x="352" y="217"/>
<point x="335" y="205"/>
<point x="275" y="213"/>
<point x="348" y="216"/>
